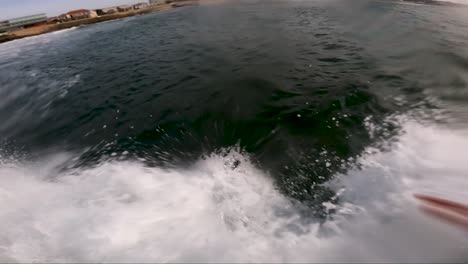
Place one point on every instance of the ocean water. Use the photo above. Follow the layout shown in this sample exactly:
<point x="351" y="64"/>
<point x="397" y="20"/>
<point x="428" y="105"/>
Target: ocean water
<point x="242" y="131"/>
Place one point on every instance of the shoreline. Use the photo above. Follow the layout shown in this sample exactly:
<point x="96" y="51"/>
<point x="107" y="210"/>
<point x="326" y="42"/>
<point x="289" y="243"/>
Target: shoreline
<point x="43" y="29"/>
<point x="431" y="3"/>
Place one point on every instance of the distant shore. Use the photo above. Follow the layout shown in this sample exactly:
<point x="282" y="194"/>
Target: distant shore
<point x="431" y="2"/>
<point x="42" y="29"/>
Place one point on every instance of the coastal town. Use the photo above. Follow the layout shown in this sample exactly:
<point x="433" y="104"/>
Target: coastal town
<point x="37" y="24"/>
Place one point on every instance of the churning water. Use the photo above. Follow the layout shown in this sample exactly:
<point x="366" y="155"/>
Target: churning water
<point x="261" y="131"/>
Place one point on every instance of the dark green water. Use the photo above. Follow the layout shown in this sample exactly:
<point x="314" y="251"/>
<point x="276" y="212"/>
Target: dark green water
<point x="293" y="86"/>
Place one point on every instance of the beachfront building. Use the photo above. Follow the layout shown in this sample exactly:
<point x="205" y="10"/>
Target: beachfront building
<point x="22" y="22"/>
<point x="124" y="8"/>
<point x="140" y="6"/>
<point x="107" y="11"/>
<point x="53" y="20"/>
<point x="64" y="18"/>
<point x="157" y="2"/>
<point x="81" y="14"/>
<point x="3" y="24"/>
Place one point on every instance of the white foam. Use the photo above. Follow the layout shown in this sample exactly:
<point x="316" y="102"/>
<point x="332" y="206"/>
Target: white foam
<point x="427" y="159"/>
<point x="125" y="212"/>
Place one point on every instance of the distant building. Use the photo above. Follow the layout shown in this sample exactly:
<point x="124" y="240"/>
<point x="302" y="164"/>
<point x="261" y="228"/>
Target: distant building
<point x="157" y="2"/>
<point x="124" y="8"/>
<point x="140" y="6"/>
<point x="4" y="25"/>
<point x="64" y="18"/>
<point x="53" y="20"/>
<point x="81" y="14"/>
<point x="23" y="22"/>
<point x="107" y="11"/>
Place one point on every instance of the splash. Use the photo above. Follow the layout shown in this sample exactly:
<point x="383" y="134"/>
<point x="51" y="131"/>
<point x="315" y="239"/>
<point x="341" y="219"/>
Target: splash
<point x="224" y="209"/>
